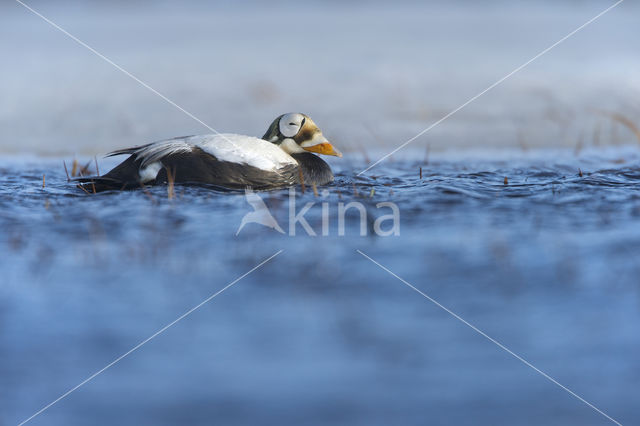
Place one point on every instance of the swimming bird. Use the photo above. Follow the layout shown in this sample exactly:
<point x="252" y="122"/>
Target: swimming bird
<point x="282" y="157"/>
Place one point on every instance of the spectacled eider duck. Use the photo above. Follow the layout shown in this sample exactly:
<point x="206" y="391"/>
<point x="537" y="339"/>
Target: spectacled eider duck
<point x="227" y="160"/>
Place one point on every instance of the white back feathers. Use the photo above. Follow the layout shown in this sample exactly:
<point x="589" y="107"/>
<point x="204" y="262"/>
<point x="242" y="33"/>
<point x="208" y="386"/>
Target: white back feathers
<point x="225" y="147"/>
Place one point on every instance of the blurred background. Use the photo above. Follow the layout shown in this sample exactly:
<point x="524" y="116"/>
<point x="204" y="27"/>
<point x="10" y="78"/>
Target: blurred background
<point x="370" y="74"/>
<point x="521" y="213"/>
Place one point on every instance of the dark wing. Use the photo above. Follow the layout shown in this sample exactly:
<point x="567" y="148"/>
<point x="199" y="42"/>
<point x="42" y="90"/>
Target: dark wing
<point x="199" y="166"/>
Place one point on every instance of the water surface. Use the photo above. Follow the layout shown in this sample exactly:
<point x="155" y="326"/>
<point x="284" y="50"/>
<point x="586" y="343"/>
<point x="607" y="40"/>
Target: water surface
<point x="547" y="264"/>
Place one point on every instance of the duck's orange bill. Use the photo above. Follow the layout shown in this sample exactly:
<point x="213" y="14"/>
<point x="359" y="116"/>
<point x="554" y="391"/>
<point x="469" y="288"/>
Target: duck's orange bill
<point x="324" y="148"/>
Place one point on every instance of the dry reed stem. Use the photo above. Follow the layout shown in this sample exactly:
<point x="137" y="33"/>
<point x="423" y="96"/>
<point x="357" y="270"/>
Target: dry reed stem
<point x="579" y="145"/>
<point x="84" y="189"/>
<point x="84" y="171"/>
<point x="147" y="192"/>
<point x="625" y="121"/>
<point x="301" y="179"/>
<point x="171" y="175"/>
<point x="66" y="171"/>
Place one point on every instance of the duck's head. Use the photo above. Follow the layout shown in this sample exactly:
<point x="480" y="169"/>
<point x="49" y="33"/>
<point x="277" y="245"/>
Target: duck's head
<point x="296" y="133"/>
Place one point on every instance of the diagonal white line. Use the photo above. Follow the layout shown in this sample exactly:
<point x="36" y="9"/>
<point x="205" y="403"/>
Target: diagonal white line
<point x="139" y="345"/>
<point x="492" y="340"/>
<point x="581" y="27"/>
<point x="101" y="56"/>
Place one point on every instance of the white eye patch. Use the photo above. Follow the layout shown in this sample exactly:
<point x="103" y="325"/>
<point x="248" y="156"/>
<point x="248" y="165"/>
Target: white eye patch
<point x="290" y="124"/>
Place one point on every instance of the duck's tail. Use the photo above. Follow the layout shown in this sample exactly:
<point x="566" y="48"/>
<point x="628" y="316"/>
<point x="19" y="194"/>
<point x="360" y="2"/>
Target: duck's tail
<point x="97" y="184"/>
<point x="124" y="176"/>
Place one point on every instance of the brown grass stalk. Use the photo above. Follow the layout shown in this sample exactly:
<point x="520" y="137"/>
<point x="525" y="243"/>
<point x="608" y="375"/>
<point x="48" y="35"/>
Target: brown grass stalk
<point x="84" y="171"/>
<point x="301" y="179"/>
<point x="66" y="171"/>
<point x="83" y="188"/>
<point x="171" y="177"/>
<point x="147" y="192"/>
<point x="624" y="120"/>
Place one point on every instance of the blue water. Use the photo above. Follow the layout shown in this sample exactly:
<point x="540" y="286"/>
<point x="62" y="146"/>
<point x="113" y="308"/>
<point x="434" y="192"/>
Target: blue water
<point x="546" y="264"/>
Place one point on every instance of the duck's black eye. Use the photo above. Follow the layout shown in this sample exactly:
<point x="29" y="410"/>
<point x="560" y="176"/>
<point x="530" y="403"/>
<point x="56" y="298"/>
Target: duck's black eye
<point x="292" y="124"/>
